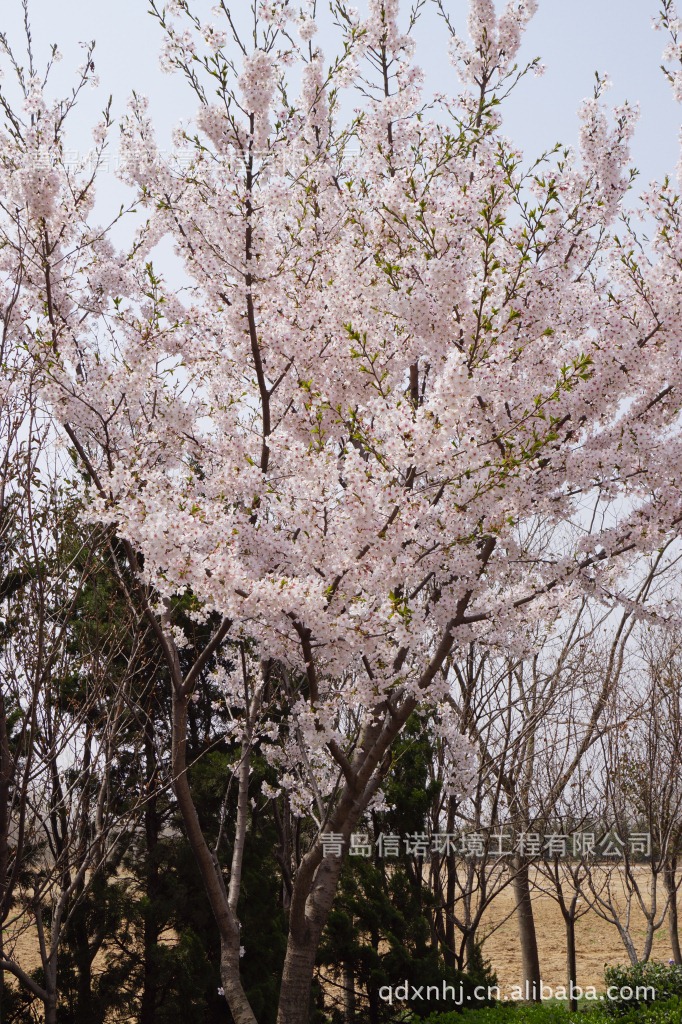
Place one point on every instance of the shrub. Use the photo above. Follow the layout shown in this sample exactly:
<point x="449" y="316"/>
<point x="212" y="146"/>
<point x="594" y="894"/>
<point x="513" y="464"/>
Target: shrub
<point x="667" y="1012"/>
<point x="509" y="1013"/>
<point x="663" y="980"/>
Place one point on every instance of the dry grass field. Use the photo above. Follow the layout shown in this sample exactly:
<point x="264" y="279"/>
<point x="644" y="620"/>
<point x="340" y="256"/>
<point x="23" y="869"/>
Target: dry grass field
<point x="598" y="943"/>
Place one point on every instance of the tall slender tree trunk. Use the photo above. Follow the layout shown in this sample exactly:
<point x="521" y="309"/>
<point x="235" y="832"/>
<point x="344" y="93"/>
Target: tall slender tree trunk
<point x="150" y="938"/>
<point x="210" y="869"/>
<point x="470" y="948"/>
<point x="571" y="959"/>
<point x="348" y="993"/>
<point x="85" y="1009"/>
<point x="5" y="778"/>
<point x="50" y="1000"/>
<point x="239" y="1005"/>
<point x="669" y="879"/>
<point x="450" y="951"/>
<point x="373" y="989"/>
<point x="2" y="976"/>
<point x="530" y="960"/>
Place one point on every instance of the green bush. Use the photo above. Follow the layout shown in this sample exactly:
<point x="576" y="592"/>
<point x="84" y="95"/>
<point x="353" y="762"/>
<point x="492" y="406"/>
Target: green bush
<point x="510" y="1013"/>
<point x="664" y="981"/>
<point x="662" y="1004"/>
<point x="665" y="1012"/>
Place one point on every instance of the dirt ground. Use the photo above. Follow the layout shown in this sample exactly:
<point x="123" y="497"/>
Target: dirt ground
<point x="598" y="943"/>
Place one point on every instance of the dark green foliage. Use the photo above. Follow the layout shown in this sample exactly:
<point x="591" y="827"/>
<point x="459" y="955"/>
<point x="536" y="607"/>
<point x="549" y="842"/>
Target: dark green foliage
<point x="666" y="1008"/>
<point x="167" y="944"/>
<point x="17" y="1006"/>
<point x="664" y="1012"/>
<point x="512" y="1013"/>
<point x="665" y="981"/>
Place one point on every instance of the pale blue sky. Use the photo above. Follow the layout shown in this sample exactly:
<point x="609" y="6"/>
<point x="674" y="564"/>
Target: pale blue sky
<point x="573" y="37"/>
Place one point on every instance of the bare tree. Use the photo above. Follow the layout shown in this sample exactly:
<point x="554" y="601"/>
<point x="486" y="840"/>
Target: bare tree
<point x="640" y="779"/>
<point x="535" y="718"/>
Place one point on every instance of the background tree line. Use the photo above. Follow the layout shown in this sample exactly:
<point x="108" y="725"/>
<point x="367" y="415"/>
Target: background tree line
<point x="100" y="887"/>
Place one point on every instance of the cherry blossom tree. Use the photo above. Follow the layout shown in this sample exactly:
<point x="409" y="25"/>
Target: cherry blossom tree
<point x="400" y="353"/>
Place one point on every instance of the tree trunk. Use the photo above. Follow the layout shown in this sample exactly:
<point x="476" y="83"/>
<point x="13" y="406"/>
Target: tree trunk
<point x="571" y="960"/>
<point x="449" y="950"/>
<point x="2" y="976"/>
<point x="239" y="1005"/>
<point x="470" y="948"/>
<point x="5" y="779"/>
<point x="450" y="953"/>
<point x="314" y="892"/>
<point x="50" y="1005"/>
<point x="85" y="1009"/>
<point x="530" y="961"/>
<point x="375" y="1006"/>
<point x="153" y="882"/>
<point x="209" y="867"/>
<point x="348" y="993"/>
<point x="673" y="920"/>
<point x="297" y="979"/>
<point x="630" y="949"/>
